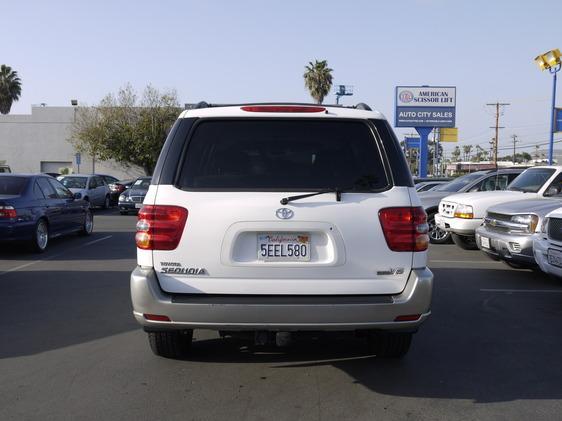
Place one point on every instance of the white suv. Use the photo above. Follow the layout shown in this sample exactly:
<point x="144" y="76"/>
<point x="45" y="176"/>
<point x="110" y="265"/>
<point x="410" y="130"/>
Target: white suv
<point x="277" y="219"/>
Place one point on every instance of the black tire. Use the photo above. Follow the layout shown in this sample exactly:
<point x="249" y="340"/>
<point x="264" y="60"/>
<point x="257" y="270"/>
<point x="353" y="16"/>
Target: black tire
<point x="106" y="203"/>
<point x="390" y="344"/>
<point x="39" y="243"/>
<point x="464" y="242"/>
<point x="170" y="344"/>
<point x="436" y="234"/>
<point x="87" y="229"/>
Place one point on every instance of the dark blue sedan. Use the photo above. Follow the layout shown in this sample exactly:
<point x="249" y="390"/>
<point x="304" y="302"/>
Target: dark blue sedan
<point x="35" y="208"/>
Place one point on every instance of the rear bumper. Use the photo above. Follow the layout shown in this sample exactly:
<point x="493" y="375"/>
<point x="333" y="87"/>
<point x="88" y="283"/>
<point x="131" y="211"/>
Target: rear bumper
<point x="249" y="312"/>
<point x="509" y="247"/>
<point x="458" y="225"/>
<point x="20" y="231"/>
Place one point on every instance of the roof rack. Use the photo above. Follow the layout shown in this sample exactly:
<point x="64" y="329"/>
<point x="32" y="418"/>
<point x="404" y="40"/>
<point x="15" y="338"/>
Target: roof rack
<point x="204" y="104"/>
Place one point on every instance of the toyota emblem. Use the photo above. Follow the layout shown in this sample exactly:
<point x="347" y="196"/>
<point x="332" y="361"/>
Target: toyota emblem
<point x="284" y="213"/>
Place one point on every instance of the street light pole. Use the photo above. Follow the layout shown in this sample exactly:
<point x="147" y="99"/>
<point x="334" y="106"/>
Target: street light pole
<point x="554" y="71"/>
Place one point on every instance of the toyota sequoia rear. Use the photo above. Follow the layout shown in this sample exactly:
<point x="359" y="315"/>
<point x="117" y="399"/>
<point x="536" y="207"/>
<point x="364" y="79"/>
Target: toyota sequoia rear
<point x="278" y="219"/>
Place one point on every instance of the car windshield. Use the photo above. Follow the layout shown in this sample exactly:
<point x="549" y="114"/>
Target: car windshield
<point x="531" y="180"/>
<point x="459" y="183"/>
<point x="283" y="155"/>
<point x="12" y="186"/>
<point x="74" y="182"/>
<point x="142" y="184"/>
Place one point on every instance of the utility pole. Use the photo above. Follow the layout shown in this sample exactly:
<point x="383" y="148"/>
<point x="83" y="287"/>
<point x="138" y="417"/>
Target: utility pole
<point x="515" y="141"/>
<point x="497" y="127"/>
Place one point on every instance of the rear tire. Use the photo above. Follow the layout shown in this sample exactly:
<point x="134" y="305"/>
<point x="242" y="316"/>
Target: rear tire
<point x="390" y="344"/>
<point x="464" y="242"/>
<point x="170" y="344"/>
<point x="40" y="239"/>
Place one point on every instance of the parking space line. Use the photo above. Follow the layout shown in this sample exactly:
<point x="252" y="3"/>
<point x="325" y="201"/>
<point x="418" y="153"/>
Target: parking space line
<point x="14" y="269"/>
<point x="509" y="291"/>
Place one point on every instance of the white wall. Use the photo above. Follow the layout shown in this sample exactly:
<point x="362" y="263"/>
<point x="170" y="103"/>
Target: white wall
<point x="28" y="139"/>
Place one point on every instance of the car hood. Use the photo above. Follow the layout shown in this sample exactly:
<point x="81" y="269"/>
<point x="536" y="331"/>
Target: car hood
<point x="481" y="201"/>
<point x="537" y="206"/>
<point x="137" y="192"/>
<point x="431" y="199"/>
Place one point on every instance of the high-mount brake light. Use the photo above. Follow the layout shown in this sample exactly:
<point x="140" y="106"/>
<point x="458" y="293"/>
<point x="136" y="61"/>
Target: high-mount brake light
<point x="405" y="228"/>
<point x="160" y="227"/>
<point x="8" y="212"/>
<point x="282" y="109"/>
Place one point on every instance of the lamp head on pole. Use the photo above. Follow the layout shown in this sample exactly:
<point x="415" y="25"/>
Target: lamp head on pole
<point x="548" y="60"/>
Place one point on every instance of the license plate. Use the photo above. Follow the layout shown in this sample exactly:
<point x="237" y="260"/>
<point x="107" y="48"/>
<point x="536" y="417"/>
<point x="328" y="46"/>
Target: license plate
<point x="138" y="205"/>
<point x="554" y="257"/>
<point x="284" y="247"/>
<point x="485" y="242"/>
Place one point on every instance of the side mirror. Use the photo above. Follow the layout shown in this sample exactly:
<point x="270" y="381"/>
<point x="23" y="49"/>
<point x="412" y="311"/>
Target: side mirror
<point x="77" y="195"/>
<point x="552" y="191"/>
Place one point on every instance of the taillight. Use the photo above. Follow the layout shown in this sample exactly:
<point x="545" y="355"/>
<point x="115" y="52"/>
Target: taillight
<point x="405" y="228"/>
<point x="159" y="227"/>
<point x="282" y="109"/>
<point x="7" y="212"/>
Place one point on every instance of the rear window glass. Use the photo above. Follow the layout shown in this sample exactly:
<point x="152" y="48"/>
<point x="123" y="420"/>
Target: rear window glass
<point x="12" y="186"/>
<point x="74" y="182"/>
<point x="283" y="155"/>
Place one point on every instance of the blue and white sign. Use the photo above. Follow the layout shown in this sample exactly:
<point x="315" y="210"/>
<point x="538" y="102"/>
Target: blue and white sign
<point x="425" y="106"/>
<point x="78" y="158"/>
<point x="558" y="120"/>
<point x="412" y="142"/>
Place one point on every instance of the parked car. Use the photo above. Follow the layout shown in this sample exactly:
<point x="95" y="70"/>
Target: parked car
<point x="509" y="229"/>
<point x="36" y="208"/>
<point x="462" y="214"/>
<point x="90" y="187"/>
<point x="131" y="199"/>
<point x="5" y="169"/>
<point x="52" y="174"/>
<point x="547" y="245"/>
<point x="473" y="182"/>
<point x="428" y="185"/>
<point x="281" y="218"/>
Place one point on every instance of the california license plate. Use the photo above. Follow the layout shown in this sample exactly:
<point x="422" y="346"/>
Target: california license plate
<point x="554" y="257"/>
<point x="485" y="242"/>
<point x="284" y="247"/>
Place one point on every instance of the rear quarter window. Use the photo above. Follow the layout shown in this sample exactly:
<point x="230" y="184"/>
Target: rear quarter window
<point x="282" y="155"/>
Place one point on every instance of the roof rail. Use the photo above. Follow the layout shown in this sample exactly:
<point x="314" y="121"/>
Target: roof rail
<point x="204" y="104"/>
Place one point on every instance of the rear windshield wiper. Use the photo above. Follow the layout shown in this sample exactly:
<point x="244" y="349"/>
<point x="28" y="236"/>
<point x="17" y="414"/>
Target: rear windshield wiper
<point x="336" y="190"/>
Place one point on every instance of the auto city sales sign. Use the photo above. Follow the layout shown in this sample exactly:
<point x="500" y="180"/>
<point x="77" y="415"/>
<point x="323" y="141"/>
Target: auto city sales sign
<point x="425" y="106"/>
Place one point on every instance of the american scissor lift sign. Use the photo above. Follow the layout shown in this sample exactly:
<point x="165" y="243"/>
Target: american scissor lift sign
<point x="425" y="106"/>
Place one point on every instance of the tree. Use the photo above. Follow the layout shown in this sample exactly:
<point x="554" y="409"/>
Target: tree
<point x="318" y="80"/>
<point x="467" y="149"/>
<point x="126" y="128"/>
<point x="10" y="88"/>
<point x="456" y="154"/>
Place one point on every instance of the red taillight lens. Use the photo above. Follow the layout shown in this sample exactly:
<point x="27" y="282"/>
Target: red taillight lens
<point x="282" y="109"/>
<point x="156" y="317"/>
<point x="160" y="227"/>
<point x="405" y="228"/>
<point x="7" y="212"/>
<point x="407" y="318"/>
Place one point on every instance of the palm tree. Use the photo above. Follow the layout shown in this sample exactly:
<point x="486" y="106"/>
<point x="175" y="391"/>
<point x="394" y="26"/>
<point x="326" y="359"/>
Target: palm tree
<point x="10" y="88"/>
<point x="467" y="149"/>
<point x="318" y="79"/>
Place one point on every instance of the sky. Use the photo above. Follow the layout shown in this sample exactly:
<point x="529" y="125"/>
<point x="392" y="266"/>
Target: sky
<point x="251" y="51"/>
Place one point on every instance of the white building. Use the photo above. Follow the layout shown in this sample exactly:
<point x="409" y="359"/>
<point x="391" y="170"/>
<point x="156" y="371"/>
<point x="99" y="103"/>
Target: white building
<point x="39" y="142"/>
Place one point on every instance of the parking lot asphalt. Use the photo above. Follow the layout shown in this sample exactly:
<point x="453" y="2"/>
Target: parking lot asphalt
<point x="70" y="349"/>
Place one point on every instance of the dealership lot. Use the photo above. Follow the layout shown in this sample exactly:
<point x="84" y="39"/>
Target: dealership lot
<point x="70" y="348"/>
